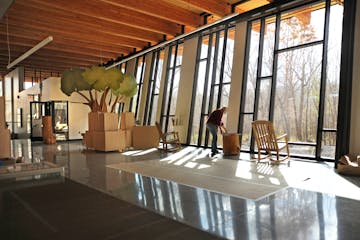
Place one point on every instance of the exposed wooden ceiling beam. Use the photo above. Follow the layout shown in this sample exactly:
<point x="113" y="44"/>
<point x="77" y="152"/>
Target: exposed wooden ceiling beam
<point x="87" y="43"/>
<point x="16" y="42"/>
<point x="114" y="14"/>
<point x="159" y="9"/>
<point x="53" y="56"/>
<point x="74" y="32"/>
<point x="56" y="16"/>
<point x="215" y="7"/>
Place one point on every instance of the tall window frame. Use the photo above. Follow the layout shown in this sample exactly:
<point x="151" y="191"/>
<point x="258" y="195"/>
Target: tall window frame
<point x="139" y="75"/>
<point x="120" y="106"/>
<point x="152" y="97"/>
<point x="323" y="44"/>
<point x="173" y="67"/>
<point x="213" y="58"/>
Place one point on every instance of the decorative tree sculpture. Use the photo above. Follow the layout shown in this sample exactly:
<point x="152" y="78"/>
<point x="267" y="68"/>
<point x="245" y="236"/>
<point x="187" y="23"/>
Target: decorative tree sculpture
<point x="98" y="80"/>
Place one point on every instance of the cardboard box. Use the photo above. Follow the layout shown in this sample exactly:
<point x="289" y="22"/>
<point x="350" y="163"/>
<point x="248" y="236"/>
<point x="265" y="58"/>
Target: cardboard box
<point x="122" y="140"/>
<point x="92" y="120"/>
<point x="88" y="139"/>
<point x="144" y="137"/>
<point x="107" y="122"/>
<point x="106" y="140"/>
<point x="127" y="120"/>
<point x="2" y="113"/>
<point x="5" y="146"/>
<point x="128" y="137"/>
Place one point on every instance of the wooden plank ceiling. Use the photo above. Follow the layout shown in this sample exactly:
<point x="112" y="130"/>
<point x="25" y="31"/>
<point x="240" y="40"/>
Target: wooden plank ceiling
<point x="94" y="32"/>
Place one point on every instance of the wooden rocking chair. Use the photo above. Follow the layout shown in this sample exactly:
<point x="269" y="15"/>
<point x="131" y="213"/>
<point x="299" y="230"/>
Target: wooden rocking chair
<point x="170" y="140"/>
<point x="267" y="141"/>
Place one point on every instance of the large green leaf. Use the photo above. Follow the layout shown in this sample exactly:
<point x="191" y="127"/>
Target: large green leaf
<point x="128" y="87"/>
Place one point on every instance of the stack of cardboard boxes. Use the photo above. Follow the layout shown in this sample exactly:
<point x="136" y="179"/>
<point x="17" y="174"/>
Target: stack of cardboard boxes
<point x="104" y="134"/>
<point x="5" y="149"/>
<point x="127" y="124"/>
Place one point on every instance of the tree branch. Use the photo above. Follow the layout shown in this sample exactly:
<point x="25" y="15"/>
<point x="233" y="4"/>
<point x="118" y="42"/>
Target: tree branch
<point x="84" y="96"/>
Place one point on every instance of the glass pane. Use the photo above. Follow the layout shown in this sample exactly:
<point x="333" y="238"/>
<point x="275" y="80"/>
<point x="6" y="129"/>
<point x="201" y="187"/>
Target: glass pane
<point x="172" y="50"/>
<point x="204" y="47"/>
<point x="252" y="68"/>
<point x="219" y="57"/>
<point x="308" y="151"/>
<point x="229" y="55"/>
<point x="154" y="110"/>
<point x="133" y="105"/>
<point x="268" y="48"/>
<point x="328" y="145"/>
<point x="297" y="93"/>
<point x="203" y="136"/>
<point x="163" y="123"/>
<point x="159" y="72"/>
<point x="264" y="99"/>
<point x="167" y="90"/>
<point x="333" y="67"/>
<point x="246" y="132"/>
<point x="199" y="91"/>
<point x="175" y="91"/>
<point x="301" y="26"/>
<point x="225" y="95"/>
<point x="215" y="98"/>
<point x="179" y="55"/>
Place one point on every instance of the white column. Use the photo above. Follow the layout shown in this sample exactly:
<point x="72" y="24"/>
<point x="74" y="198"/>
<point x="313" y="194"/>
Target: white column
<point x="236" y="77"/>
<point x="183" y="104"/>
<point x="355" y="101"/>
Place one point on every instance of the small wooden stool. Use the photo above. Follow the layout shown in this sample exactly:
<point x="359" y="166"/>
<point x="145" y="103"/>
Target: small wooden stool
<point x="231" y="143"/>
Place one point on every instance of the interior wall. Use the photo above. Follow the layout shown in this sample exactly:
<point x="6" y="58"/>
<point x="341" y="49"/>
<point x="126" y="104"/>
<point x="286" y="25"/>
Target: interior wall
<point x="77" y="111"/>
<point x="186" y="82"/>
<point x="78" y="119"/>
<point x="355" y="101"/>
<point x="236" y="77"/>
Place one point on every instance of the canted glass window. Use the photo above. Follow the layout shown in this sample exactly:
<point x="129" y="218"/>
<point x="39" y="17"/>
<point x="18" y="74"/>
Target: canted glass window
<point x="173" y="68"/>
<point x="292" y="77"/>
<point x="152" y="98"/>
<point x="212" y="81"/>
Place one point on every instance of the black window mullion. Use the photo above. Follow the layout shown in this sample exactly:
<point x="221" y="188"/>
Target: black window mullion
<point x="274" y="69"/>
<point x="258" y="74"/>
<point x="149" y="90"/>
<point x="171" y="88"/>
<point x="168" y="68"/>
<point x="222" y="67"/>
<point x="245" y="78"/>
<point x="153" y="94"/>
<point x="213" y="78"/>
<point x="203" y="104"/>
<point x="323" y="83"/>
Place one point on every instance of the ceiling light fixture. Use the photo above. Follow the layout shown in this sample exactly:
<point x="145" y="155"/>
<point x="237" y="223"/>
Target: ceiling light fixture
<point x="31" y="51"/>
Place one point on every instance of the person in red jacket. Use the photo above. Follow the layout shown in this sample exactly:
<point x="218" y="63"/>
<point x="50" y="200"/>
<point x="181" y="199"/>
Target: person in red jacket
<point x="213" y="123"/>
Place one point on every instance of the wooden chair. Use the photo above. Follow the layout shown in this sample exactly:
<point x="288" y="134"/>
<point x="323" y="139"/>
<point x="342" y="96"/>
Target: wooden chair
<point x="170" y="140"/>
<point x="266" y="140"/>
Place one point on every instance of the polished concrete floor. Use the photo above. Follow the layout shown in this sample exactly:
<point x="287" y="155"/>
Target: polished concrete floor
<point x="102" y="192"/>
